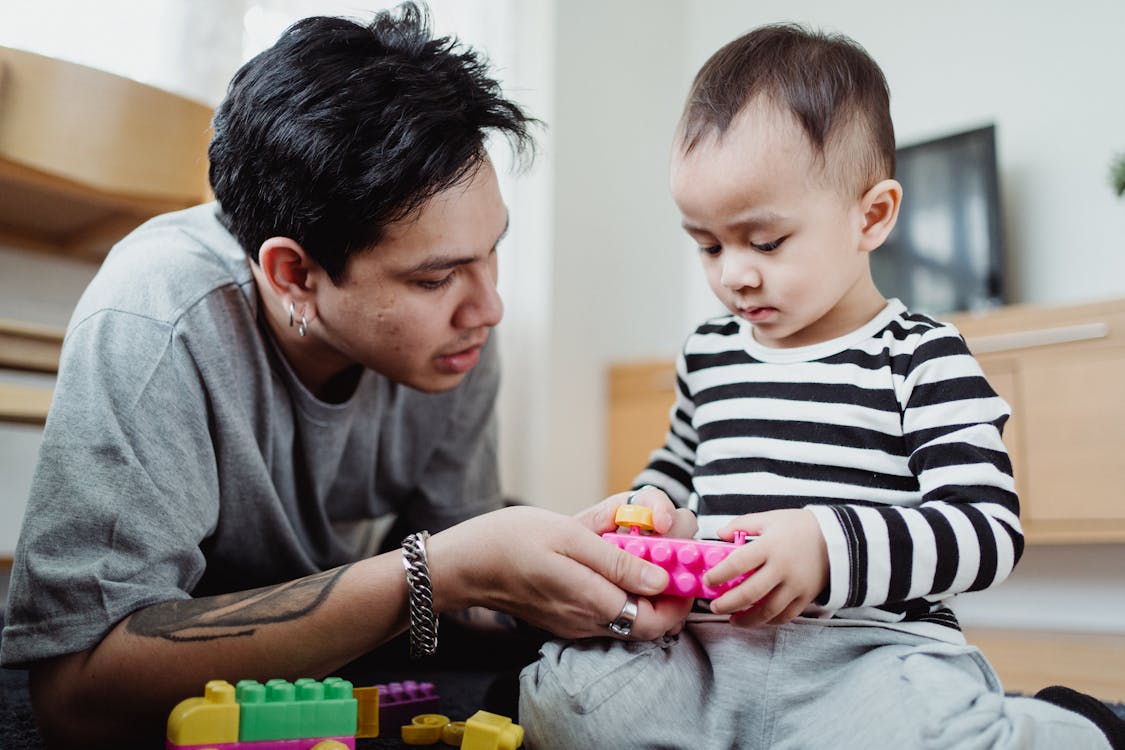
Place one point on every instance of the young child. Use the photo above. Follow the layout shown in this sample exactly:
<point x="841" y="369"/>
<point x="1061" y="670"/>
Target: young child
<point x="860" y="442"/>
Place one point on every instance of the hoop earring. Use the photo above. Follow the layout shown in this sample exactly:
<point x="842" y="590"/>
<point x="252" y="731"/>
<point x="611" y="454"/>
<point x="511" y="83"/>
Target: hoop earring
<point x="303" y="327"/>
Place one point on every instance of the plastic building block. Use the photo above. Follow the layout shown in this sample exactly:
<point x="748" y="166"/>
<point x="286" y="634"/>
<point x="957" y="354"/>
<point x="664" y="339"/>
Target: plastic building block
<point x="399" y="702"/>
<point x="305" y="715"/>
<point x="686" y="560"/>
<point x="367" y="711"/>
<point x="453" y="733"/>
<point x="281" y="710"/>
<point x="424" y="729"/>
<point x="212" y="718"/>
<point x="489" y="731"/>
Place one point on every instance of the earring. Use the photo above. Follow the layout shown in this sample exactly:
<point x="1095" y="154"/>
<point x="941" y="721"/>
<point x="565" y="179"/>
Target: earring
<point x="303" y="328"/>
<point x="290" y="313"/>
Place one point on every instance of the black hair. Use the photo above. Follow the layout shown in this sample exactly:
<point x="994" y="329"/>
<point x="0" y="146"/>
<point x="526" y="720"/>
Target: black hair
<point x="827" y="81"/>
<point x="340" y="129"/>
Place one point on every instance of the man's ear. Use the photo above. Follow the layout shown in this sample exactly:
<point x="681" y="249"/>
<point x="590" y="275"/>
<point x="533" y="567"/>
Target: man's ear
<point x="880" y="212"/>
<point x="288" y="270"/>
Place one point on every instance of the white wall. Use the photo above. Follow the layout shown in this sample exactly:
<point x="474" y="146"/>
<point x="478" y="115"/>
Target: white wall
<point x="613" y="293"/>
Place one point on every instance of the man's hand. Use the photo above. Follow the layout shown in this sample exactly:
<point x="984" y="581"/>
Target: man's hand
<point x="789" y="562"/>
<point x="551" y="570"/>
<point x="667" y="519"/>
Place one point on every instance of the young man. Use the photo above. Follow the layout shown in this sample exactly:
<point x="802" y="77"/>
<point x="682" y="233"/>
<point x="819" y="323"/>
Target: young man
<point x="858" y="442"/>
<point x="246" y="385"/>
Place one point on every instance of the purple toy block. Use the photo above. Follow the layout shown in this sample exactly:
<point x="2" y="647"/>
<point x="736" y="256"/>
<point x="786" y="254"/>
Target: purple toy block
<point x="686" y="560"/>
<point x="400" y="702"/>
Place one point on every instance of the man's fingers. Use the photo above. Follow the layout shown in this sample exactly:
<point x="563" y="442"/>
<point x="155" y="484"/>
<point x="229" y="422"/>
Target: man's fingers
<point x="617" y="566"/>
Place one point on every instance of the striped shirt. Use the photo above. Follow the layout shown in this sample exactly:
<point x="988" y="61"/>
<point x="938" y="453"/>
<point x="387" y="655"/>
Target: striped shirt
<point x="890" y="435"/>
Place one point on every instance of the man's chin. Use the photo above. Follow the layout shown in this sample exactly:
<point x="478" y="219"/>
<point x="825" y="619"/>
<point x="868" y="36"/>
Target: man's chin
<point x="436" y="382"/>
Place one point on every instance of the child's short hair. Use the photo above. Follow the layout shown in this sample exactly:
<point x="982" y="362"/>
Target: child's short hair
<point x="828" y="82"/>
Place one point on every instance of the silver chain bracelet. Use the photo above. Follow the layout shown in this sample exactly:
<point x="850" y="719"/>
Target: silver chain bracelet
<point x="423" y="621"/>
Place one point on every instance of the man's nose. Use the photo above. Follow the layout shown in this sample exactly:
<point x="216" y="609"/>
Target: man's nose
<point x="483" y="308"/>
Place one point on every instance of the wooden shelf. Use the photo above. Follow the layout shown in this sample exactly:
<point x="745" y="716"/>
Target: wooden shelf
<point x="21" y="404"/>
<point x="27" y="347"/>
<point x="86" y="156"/>
<point x="30" y="346"/>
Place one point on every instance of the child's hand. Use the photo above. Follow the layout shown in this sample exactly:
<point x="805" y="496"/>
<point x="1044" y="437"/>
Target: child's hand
<point x="667" y="519"/>
<point x="790" y="563"/>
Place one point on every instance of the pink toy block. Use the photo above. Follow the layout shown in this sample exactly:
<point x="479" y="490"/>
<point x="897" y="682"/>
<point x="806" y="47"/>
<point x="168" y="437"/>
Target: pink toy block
<point x="686" y="560"/>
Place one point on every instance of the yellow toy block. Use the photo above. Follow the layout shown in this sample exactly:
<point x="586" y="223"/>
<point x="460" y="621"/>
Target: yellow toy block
<point x="489" y="731"/>
<point x="634" y="516"/>
<point x="367" y="718"/>
<point x="424" y="729"/>
<point x="212" y="718"/>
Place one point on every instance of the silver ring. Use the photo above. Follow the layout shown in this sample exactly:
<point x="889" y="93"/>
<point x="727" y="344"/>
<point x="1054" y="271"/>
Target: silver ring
<point x="622" y="625"/>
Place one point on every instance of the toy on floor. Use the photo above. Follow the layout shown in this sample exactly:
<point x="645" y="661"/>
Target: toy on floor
<point x="399" y="702"/>
<point x="280" y="715"/>
<point x="686" y="560"/>
<point x="483" y="731"/>
<point x="328" y="715"/>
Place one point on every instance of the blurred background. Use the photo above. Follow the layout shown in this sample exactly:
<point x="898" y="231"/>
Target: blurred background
<point x="595" y="270"/>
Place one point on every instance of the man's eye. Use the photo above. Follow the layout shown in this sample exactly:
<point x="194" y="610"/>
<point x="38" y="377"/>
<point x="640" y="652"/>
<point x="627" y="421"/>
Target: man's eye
<point x="434" y="285"/>
<point x="766" y="247"/>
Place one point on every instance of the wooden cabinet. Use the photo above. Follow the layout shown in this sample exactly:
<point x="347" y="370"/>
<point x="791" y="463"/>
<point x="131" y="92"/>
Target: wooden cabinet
<point x="1062" y="369"/>
<point x="85" y="157"/>
<point x="641" y="395"/>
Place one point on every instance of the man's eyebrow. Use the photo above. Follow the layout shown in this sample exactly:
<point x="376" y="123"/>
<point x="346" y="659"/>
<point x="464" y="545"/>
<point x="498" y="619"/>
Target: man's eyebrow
<point x="446" y="262"/>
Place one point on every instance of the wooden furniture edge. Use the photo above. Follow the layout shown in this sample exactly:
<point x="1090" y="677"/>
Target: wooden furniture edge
<point x="30" y="346"/>
<point x="24" y="404"/>
<point x="1030" y="660"/>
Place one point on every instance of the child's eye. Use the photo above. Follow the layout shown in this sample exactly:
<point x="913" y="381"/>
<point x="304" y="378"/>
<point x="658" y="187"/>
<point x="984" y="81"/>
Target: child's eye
<point x="766" y="247"/>
<point x="711" y="250"/>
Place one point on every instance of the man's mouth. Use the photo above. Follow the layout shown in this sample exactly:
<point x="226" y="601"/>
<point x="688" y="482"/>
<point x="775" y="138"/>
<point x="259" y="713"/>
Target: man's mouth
<point x="461" y="361"/>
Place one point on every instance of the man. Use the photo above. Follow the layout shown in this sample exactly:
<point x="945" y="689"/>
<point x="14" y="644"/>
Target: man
<point x="246" y="385"/>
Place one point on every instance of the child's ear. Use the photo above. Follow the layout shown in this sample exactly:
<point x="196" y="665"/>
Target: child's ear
<point x="880" y="212"/>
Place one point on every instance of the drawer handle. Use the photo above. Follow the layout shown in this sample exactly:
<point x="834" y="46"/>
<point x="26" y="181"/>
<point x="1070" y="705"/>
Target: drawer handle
<point x="1002" y="342"/>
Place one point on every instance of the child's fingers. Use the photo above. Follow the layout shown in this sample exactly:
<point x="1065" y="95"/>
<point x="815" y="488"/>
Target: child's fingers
<point x="743" y="560"/>
<point x="749" y="593"/>
<point x="771" y="607"/>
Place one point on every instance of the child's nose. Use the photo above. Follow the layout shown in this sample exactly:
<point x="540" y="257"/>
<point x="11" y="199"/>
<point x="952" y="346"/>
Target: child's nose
<point x="740" y="271"/>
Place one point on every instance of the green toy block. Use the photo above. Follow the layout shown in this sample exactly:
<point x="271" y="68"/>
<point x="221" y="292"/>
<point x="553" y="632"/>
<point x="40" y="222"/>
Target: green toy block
<point x="281" y="710"/>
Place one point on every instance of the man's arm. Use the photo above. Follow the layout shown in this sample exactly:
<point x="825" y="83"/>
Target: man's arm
<point x="126" y="685"/>
<point x="551" y="570"/>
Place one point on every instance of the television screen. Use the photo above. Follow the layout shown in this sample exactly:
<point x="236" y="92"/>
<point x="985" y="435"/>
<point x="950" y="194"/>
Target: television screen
<point x="946" y="252"/>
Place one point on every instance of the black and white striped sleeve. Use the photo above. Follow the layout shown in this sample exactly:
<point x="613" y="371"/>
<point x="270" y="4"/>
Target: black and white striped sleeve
<point x="964" y="534"/>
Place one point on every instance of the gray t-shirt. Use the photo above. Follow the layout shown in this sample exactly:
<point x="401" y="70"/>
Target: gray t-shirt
<point x="182" y="457"/>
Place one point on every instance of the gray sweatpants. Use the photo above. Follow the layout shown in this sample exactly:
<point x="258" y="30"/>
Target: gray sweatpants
<point x="801" y="685"/>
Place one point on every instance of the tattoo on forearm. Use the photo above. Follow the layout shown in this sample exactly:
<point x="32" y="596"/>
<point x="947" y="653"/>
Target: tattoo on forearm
<point x="234" y="615"/>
